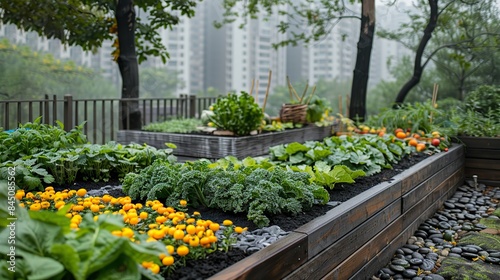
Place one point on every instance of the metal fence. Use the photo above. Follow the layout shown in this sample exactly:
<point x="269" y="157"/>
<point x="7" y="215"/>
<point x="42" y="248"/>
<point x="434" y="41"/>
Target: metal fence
<point x="101" y="116"/>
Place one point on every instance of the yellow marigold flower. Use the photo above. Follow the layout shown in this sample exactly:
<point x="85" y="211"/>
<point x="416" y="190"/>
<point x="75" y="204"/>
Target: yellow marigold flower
<point x="227" y="223"/>
<point x="81" y="192"/>
<point x="183" y="202"/>
<point x="239" y="230"/>
<point x="35" y="207"/>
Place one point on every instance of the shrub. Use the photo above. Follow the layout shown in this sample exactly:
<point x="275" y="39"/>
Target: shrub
<point x="237" y="113"/>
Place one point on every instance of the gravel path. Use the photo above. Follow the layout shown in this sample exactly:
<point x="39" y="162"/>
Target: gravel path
<point x="461" y="241"/>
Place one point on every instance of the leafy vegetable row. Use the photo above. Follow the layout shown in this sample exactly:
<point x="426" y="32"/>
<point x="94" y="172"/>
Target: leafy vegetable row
<point x="43" y="153"/>
<point x="368" y="153"/>
<point x="240" y="187"/>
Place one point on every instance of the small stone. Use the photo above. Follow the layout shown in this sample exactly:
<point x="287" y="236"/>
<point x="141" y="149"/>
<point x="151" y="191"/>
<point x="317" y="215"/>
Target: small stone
<point x="468" y="255"/>
<point x="396" y="268"/>
<point x="492" y="260"/>
<point x="409" y="273"/>
<point x="427" y="264"/>
<point x="416" y="261"/>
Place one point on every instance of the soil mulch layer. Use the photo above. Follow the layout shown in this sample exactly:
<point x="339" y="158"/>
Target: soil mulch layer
<point x="202" y="269"/>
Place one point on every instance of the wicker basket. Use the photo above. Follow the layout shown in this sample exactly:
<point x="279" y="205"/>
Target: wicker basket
<point x="295" y="113"/>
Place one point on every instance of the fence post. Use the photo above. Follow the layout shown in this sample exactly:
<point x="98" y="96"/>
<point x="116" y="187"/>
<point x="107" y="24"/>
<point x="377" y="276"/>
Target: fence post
<point x="192" y="106"/>
<point x="180" y="105"/>
<point x="68" y="112"/>
<point x="46" y="115"/>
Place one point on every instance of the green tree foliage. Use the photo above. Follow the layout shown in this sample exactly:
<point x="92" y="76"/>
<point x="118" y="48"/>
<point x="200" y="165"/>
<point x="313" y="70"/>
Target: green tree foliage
<point x="25" y="74"/>
<point x="158" y="82"/>
<point x="463" y="47"/>
<point x="88" y="23"/>
<point x="308" y="21"/>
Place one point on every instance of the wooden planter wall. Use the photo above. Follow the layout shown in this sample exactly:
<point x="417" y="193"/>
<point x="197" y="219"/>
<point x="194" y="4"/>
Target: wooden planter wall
<point x="215" y="147"/>
<point x="482" y="158"/>
<point x="359" y="236"/>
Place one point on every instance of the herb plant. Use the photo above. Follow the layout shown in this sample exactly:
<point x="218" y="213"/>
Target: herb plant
<point x="175" y="126"/>
<point x="238" y="113"/>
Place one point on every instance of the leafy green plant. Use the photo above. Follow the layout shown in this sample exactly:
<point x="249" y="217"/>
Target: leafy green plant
<point x="31" y="138"/>
<point x="157" y="181"/>
<point x="316" y="109"/>
<point x="484" y="100"/>
<point x="416" y="116"/>
<point x="258" y="189"/>
<point x="368" y="153"/>
<point x="46" y="247"/>
<point x="175" y="126"/>
<point x="478" y="115"/>
<point x="238" y="113"/>
<point x="28" y="173"/>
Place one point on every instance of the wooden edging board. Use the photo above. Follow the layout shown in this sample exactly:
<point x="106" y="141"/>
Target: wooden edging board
<point x="215" y="147"/>
<point x="361" y="233"/>
<point x="482" y="158"/>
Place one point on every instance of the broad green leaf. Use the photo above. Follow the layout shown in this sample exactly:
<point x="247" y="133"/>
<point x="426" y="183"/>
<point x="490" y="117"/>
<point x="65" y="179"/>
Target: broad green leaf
<point x="297" y="158"/>
<point x="51" y="218"/>
<point x="68" y="256"/>
<point x="322" y="166"/>
<point x="43" y="268"/>
<point x="295" y="147"/>
<point x="106" y="249"/>
<point x="279" y="152"/>
<point x="249" y="161"/>
<point x="145" y="251"/>
<point x="123" y="268"/>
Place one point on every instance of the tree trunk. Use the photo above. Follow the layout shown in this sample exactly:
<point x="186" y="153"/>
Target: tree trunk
<point x="129" y="68"/>
<point x="357" y="108"/>
<point x="418" y="67"/>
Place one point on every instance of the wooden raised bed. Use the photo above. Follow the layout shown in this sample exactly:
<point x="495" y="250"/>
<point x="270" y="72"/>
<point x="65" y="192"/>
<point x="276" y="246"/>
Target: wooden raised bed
<point x="215" y="147"/>
<point x="359" y="236"/>
<point x="482" y="158"/>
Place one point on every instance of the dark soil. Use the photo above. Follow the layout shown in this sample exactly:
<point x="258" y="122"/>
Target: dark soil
<point x="202" y="269"/>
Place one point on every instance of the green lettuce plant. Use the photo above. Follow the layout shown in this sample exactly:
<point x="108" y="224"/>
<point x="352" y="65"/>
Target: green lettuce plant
<point x="238" y="113"/>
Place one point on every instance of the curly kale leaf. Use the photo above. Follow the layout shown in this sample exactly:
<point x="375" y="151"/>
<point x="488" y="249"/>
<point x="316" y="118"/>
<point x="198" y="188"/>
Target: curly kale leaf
<point x="147" y="184"/>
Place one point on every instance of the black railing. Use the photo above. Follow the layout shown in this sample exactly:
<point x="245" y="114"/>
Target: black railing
<point x="102" y="116"/>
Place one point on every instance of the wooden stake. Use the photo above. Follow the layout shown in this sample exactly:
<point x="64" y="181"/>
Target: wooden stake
<point x="267" y="90"/>
<point x="304" y="93"/>
<point x="312" y="94"/>
<point x="251" y="88"/>
<point x="340" y="105"/>
<point x="347" y="104"/>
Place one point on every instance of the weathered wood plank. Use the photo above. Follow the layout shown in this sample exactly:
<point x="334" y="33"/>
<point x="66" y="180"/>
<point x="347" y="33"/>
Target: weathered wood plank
<point x="424" y="188"/>
<point x="491" y="164"/>
<point x="377" y="248"/>
<point x="483" y="174"/>
<point x="385" y="255"/>
<point x="215" y="147"/>
<point x="274" y="262"/>
<point x="482" y="153"/>
<point x="480" y="142"/>
<point x="325" y="230"/>
<point x="348" y="221"/>
<point x="426" y="169"/>
<point x="434" y="194"/>
<point x="329" y="258"/>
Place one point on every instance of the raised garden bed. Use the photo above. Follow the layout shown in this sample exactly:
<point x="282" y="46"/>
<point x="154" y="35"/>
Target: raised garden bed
<point x="483" y="158"/>
<point x="360" y="235"/>
<point x="215" y="147"/>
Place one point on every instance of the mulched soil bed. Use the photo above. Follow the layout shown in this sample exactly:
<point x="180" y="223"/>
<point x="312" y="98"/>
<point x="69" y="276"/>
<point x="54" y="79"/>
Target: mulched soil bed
<point x="202" y="269"/>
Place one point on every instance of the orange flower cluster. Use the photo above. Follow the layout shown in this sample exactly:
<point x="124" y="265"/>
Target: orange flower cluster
<point x="183" y="235"/>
